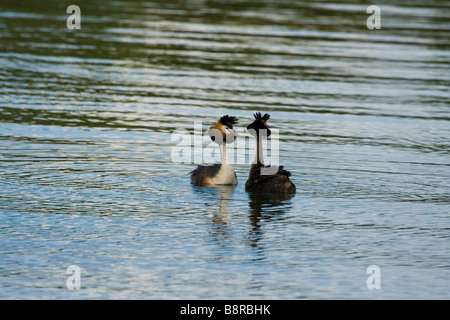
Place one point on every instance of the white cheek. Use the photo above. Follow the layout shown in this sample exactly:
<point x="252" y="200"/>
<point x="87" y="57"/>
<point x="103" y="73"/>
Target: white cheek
<point x="230" y="136"/>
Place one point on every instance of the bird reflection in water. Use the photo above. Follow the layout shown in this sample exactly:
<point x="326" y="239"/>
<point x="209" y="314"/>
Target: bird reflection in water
<point x="220" y="218"/>
<point x="263" y="207"/>
<point x="266" y="207"/>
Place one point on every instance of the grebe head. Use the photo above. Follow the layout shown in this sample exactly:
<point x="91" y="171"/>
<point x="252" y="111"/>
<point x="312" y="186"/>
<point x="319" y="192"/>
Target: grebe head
<point x="223" y="131"/>
<point x="259" y="127"/>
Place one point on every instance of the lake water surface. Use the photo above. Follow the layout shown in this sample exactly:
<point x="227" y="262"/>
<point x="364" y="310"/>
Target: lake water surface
<point x="86" y="128"/>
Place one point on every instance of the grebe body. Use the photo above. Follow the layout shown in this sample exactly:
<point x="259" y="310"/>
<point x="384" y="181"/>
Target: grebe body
<point x="221" y="133"/>
<point x="278" y="182"/>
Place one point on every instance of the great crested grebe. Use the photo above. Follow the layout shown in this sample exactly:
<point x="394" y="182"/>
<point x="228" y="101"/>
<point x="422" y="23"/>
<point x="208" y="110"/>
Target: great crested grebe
<point x="221" y="173"/>
<point x="274" y="183"/>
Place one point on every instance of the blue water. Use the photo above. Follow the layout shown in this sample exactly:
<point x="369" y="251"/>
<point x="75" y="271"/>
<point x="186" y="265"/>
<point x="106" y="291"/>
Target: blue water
<point x="87" y="176"/>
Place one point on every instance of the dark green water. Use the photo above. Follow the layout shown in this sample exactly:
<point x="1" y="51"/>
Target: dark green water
<point x="86" y="124"/>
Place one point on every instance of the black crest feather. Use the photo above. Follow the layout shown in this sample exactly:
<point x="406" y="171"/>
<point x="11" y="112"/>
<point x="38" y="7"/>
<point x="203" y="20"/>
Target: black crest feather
<point x="228" y="121"/>
<point x="259" y="125"/>
<point x="257" y="116"/>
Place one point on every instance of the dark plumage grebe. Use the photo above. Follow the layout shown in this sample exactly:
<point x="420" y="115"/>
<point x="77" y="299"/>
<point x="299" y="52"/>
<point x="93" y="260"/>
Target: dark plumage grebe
<point x="274" y="183"/>
<point x="221" y="173"/>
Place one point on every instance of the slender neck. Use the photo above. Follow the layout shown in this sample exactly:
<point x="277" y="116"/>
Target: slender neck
<point x="223" y="154"/>
<point x="259" y="151"/>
